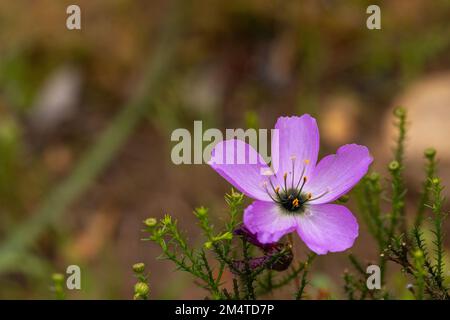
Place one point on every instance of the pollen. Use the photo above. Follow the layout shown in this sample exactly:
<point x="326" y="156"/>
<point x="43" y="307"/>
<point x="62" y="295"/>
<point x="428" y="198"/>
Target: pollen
<point x="307" y="161"/>
<point x="295" y="203"/>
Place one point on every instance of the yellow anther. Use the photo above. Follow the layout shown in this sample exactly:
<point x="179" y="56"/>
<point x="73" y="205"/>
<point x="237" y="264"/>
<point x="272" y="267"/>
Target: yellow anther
<point x="309" y="196"/>
<point x="285" y="176"/>
<point x="295" y="203"/>
<point x="307" y="161"/>
<point x="277" y="189"/>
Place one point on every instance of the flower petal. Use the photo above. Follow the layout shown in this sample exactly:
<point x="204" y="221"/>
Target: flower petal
<point x="328" y="228"/>
<point x="268" y="222"/>
<point x="241" y="166"/>
<point x="297" y="137"/>
<point x="336" y="174"/>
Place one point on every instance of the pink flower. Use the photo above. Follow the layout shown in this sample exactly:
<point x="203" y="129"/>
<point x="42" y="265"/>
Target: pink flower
<point x="299" y="195"/>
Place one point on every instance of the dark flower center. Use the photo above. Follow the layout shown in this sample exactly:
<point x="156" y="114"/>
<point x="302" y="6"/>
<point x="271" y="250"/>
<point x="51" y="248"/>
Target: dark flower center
<point x="290" y="195"/>
<point x="292" y="200"/>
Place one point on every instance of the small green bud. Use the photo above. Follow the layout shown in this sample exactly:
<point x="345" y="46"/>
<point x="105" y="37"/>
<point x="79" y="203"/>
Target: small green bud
<point x="374" y="176"/>
<point x="142" y="289"/>
<point x="394" y="166"/>
<point x="235" y="196"/>
<point x="208" y="245"/>
<point x="150" y="222"/>
<point x="430" y="153"/>
<point x="139" y="267"/>
<point x="435" y="181"/>
<point x="58" y="277"/>
<point x="201" y="212"/>
<point x="400" y="112"/>
<point x="418" y="254"/>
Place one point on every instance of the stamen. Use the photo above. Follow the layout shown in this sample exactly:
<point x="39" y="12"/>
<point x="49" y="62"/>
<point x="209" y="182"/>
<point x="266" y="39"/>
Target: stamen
<point x="307" y="198"/>
<point x="295" y="203"/>
<point x="285" y="184"/>
<point x="305" y="178"/>
<point x="320" y="196"/>
<point x="267" y="191"/>
<point x="293" y="157"/>
<point x="273" y="188"/>
<point x="300" y="180"/>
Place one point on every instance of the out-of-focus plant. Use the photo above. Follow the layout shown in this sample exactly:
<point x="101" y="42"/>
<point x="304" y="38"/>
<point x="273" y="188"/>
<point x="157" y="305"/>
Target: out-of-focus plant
<point x="16" y="245"/>
<point x="397" y="241"/>
<point x="58" y="286"/>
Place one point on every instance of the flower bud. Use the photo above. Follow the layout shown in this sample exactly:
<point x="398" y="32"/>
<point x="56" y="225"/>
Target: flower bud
<point x="208" y="245"/>
<point x="150" y="222"/>
<point x="374" y="176"/>
<point x="201" y="212"/>
<point x="400" y="112"/>
<point x="394" y="166"/>
<point x="418" y="254"/>
<point x="58" y="277"/>
<point x="243" y="232"/>
<point x="138" y="267"/>
<point x="142" y="289"/>
<point x="430" y="153"/>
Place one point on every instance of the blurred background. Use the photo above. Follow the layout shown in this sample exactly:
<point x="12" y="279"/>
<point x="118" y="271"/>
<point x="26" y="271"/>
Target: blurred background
<point x="86" y="117"/>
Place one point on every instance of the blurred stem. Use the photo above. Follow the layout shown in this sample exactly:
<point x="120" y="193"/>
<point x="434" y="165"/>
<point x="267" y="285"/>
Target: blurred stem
<point x="247" y="277"/>
<point x="430" y="169"/>
<point x="58" y="286"/>
<point x="396" y="167"/>
<point x="103" y="151"/>
<point x="438" y="242"/>
<point x="301" y="290"/>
